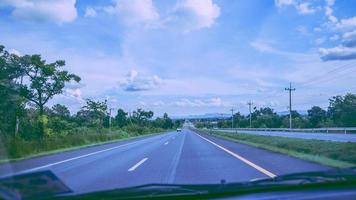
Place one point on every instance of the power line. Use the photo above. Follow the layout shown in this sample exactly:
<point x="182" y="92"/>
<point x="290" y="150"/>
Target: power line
<point x="333" y="72"/>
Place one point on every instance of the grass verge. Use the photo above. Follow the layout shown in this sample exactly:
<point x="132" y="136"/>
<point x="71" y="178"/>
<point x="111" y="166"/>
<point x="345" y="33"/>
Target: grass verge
<point x="333" y="154"/>
<point x="15" y="150"/>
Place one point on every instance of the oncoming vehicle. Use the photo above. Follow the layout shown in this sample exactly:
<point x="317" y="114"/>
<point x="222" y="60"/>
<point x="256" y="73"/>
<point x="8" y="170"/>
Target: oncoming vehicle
<point x="179" y="130"/>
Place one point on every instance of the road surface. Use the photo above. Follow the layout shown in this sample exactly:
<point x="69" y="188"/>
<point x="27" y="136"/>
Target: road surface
<point x="336" y="137"/>
<point x="175" y="157"/>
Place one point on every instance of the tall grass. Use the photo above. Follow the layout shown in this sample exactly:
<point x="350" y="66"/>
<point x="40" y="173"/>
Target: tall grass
<point x="336" y="154"/>
<point x="13" y="148"/>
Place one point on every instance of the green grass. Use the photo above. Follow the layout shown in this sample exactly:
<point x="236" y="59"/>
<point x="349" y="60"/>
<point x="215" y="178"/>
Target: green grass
<point x="334" y="154"/>
<point x="19" y="149"/>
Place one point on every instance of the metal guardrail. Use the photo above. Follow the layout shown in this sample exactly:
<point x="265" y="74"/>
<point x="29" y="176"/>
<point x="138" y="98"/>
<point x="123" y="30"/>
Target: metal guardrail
<point x="312" y="130"/>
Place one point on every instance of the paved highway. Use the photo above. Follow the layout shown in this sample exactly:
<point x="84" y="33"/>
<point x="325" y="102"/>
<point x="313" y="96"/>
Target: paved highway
<point x="336" y="137"/>
<point x="175" y="157"/>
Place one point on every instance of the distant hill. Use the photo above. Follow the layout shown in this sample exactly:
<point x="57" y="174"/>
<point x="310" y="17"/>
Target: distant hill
<point x="225" y="115"/>
<point x="302" y="112"/>
<point x="205" y="116"/>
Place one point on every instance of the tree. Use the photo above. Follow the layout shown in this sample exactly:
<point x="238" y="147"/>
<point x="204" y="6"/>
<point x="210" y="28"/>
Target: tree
<point x="11" y="104"/>
<point x="121" y="118"/>
<point x="93" y="113"/>
<point x="342" y="110"/>
<point x="165" y="122"/>
<point x="266" y="118"/>
<point x="60" y="111"/>
<point x="168" y="123"/>
<point x="240" y="120"/>
<point x="316" y="116"/>
<point x="45" y="81"/>
<point x="141" y="117"/>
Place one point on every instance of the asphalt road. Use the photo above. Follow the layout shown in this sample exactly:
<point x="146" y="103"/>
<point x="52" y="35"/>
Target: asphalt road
<point x="175" y="157"/>
<point x="336" y="137"/>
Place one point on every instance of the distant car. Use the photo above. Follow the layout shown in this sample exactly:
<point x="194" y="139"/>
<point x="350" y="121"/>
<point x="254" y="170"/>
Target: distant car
<point x="179" y="130"/>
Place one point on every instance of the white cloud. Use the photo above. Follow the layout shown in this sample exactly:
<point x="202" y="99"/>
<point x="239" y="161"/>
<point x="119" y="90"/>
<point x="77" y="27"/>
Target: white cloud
<point x="204" y="12"/>
<point x="131" y="12"/>
<point x="337" y="53"/>
<point x="58" y="11"/>
<point x="137" y="11"/>
<point x="334" y="37"/>
<point x="74" y="93"/>
<point x="138" y="82"/>
<point x="281" y="3"/>
<point x="90" y="12"/>
<point x="349" y="23"/>
<point x="329" y="11"/>
<point x="16" y="52"/>
<point x="305" y="8"/>
<point x="266" y="47"/>
<point x="349" y="39"/>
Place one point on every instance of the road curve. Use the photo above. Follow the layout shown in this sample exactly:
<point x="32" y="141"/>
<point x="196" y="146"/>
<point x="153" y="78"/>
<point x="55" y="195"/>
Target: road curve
<point x="176" y="157"/>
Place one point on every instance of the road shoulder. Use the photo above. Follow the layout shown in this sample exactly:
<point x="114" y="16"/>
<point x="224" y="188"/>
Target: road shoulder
<point x="276" y="162"/>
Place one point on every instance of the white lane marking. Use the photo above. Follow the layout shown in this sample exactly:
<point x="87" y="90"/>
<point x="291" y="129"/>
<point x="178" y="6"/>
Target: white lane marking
<point x="75" y="158"/>
<point x="166" y="143"/>
<point x="270" y="174"/>
<point x="137" y="165"/>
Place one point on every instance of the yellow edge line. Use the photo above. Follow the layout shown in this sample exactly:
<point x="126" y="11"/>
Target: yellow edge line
<point x="270" y="174"/>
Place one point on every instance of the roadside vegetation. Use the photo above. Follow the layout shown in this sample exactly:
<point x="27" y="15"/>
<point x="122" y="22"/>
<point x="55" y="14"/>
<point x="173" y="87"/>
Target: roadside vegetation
<point x="341" y="112"/>
<point x="334" y="154"/>
<point x="28" y="126"/>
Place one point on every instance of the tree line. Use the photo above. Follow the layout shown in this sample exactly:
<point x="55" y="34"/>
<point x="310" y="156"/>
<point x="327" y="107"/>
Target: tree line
<point x="341" y="112"/>
<point x="28" y="83"/>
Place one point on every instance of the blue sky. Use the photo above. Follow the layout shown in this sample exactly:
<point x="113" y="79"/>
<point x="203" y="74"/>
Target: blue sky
<point x="191" y="56"/>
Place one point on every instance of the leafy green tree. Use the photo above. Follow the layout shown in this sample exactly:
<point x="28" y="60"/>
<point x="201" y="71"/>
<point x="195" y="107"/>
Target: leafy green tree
<point x="165" y="122"/>
<point x="93" y="114"/>
<point x="240" y="120"/>
<point x="265" y="118"/>
<point x="141" y="117"/>
<point x="121" y="118"/>
<point x="316" y="116"/>
<point x="61" y="111"/>
<point x="178" y="123"/>
<point x="11" y="104"/>
<point x="342" y="110"/>
<point x="45" y="81"/>
<point x="168" y="123"/>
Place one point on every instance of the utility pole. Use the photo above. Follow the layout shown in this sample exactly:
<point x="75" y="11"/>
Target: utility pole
<point x="249" y="108"/>
<point x="290" y="89"/>
<point x="110" y="117"/>
<point x="232" y="118"/>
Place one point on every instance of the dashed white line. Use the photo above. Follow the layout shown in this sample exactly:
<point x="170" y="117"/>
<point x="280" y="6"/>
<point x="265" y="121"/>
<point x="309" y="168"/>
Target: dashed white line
<point x="75" y="158"/>
<point x="264" y="171"/>
<point x="137" y="165"/>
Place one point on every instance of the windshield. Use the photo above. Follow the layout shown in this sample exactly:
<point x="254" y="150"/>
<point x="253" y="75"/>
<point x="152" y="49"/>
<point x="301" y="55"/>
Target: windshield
<point x="100" y="95"/>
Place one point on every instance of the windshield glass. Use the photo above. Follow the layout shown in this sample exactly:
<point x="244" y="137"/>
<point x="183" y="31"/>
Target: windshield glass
<point x="100" y="95"/>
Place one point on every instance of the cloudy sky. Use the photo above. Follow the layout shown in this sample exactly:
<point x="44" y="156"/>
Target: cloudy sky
<point x="191" y="56"/>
